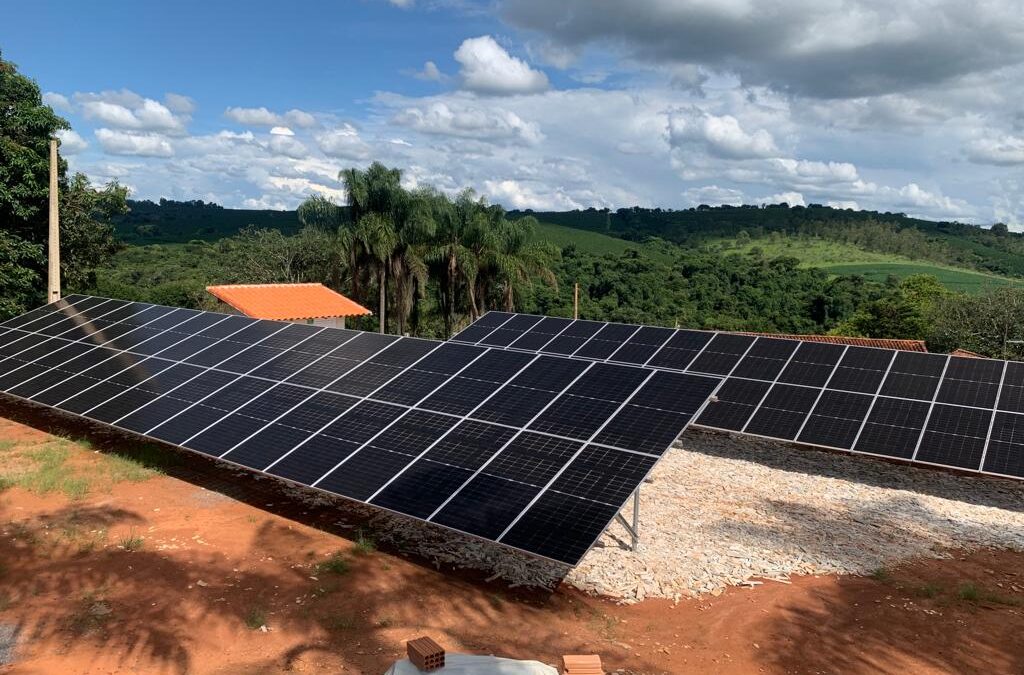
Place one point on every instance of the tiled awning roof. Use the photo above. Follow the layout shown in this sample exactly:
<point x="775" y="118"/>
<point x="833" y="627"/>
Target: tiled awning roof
<point x="287" y="302"/>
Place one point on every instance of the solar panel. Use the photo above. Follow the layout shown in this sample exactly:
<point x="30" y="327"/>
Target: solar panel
<point x="533" y="451"/>
<point x="934" y="409"/>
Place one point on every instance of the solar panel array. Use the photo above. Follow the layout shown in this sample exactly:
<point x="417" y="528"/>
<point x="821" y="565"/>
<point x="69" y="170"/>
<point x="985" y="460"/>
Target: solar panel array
<point x="934" y="409"/>
<point x="532" y="451"/>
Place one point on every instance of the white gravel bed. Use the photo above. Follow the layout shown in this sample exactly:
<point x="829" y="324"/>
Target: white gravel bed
<point x="723" y="510"/>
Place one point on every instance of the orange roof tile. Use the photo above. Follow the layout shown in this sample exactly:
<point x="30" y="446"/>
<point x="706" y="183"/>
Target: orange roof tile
<point x="287" y="302"/>
<point x="904" y="345"/>
<point x="967" y="354"/>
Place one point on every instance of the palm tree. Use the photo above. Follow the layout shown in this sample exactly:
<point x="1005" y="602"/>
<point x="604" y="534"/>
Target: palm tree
<point x="327" y="217"/>
<point x="376" y="234"/>
<point x="515" y="260"/>
<point x="458" y="227"/>
<point x="414" y="229"/>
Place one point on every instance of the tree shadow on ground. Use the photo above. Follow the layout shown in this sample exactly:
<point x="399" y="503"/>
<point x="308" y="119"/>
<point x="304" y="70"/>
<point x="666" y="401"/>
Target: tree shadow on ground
<point x="1002" y="493"/>
<point x="844" y="630"/>
<point x="138" y="605"/>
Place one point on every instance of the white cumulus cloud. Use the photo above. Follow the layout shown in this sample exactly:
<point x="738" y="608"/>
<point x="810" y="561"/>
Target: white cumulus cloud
<point x="721" y="136"/>
<point x="343" y="142"/>
<point x="469" y="121"/>
<point x="118" y="142"/>
<point x="70" y="142"/>
<point x="262" y="117"/>
<point x="1003" y="151"/>
<point x="487" y="68"/>
<point x="57" y="101"/>
<point x="125" y="109"/>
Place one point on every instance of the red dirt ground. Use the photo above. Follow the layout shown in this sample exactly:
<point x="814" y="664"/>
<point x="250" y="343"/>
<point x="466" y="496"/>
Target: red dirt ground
<point x="179" y="604"/>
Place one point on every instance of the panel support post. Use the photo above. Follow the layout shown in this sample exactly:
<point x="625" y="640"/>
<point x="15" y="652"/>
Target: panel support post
<point x="53" y="251"/>
<point x="634" y="527"/>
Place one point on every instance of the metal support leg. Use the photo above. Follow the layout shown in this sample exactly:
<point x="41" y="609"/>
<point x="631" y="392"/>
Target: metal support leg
<point x="634" y="528"/>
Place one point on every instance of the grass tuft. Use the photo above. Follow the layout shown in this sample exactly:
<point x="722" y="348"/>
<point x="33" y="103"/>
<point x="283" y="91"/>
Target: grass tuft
<point x="51" y="472"/>
<point x="340" y="622"/>
<point x="255" y="618"/>
<point x="364" y="544"/>
<point x="336" y="564"/>
<point x="880" y="574"/>
<point x="929" y="590"/>
<point x="131" y="541"/>
<point x="970" y="592"/>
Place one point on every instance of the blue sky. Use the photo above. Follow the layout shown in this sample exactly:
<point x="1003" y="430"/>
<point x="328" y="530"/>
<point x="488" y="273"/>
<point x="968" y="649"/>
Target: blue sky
<point x="544" y="104"/>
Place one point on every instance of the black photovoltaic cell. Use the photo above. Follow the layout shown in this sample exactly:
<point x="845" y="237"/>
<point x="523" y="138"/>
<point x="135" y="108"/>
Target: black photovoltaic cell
<point x="914" y="375"/>
<point x="836" y="419"/>
<point x="1011" y="396"/>
<point x="783" y="411"/>
<point x="558" y="525"/>
<point x="486" y="505"/>
<point x="721" y="354"/>
<point x="955" y="436"/>
<point x="862" y="399"/>
<point x="734" y="404"/>
<point x="766" y="359"/>
<point x="812" y="364"/>
<point x="972" y="382"/>
<point x="470" y="445"/>
<point x="861" y="369"/>
<point x="1005" y="453"/>
<point x="893" y="428"/>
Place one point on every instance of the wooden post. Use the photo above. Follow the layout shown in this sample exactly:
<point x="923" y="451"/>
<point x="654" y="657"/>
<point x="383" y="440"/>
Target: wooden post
<point x="576" y="301"/>
<point x="53" y="276"/>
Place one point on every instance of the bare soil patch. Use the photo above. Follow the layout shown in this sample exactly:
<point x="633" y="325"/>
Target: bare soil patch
<point x="178" y="570"/>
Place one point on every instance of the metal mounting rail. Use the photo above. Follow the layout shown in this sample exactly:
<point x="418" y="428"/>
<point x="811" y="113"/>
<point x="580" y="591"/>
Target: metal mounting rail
<point x="634" y="528"/>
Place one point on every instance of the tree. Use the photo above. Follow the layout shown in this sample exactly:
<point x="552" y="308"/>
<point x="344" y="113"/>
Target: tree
<point x="452" y="253"/>
<point x="376" y="234"/>
<point x="1000" y="230"/>
<point x="267" y="256"/>
<point x="518" y="259"/>
<point x="990" y="323"/>
<point x="87" y="238"/>
<point x="904" y="311"/>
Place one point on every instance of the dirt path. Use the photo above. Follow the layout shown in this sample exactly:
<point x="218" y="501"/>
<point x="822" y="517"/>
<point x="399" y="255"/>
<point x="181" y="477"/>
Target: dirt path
<point x="141" y="573"/>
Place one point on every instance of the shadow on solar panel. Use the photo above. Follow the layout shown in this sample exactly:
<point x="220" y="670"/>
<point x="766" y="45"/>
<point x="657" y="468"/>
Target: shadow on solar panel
<point x="535" y="451"/>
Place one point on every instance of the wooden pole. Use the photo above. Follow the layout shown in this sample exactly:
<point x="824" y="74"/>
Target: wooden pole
<point x="53" y="254"/>
<point x="576" y="301"/>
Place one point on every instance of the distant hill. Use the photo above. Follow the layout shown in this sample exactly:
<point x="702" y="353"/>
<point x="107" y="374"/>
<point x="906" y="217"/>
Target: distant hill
<point x="170" y="222"/>
<point x="993" y="250"/>
<point x="817" y="235"/>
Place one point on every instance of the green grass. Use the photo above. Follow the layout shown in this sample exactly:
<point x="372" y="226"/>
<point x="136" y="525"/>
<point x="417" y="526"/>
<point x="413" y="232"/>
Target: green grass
<point x="255" y="618"/>
<point x="971" y="592"/>
<point x="340" y="622"/>
<point x="51" y="473"/>
<point x="952" y="278"/>
<point x="811" y="252"/>
<point x="336" y="564"/>
<point x="839" y="258"/>
<point x="595" y="242"/>
<point x="364" y="544"/>
<point x="131" y="541"/>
